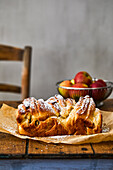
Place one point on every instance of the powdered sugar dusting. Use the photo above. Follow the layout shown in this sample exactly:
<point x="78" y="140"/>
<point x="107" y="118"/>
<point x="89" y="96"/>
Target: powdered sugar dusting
<point x="29" y="102"/>
<point x="60" y="137"/>
<point x="44" y="105"/>
<point x="40" y="100"/>
<point x="55" y="98"/>
<point x="55" y="101"/>
<point x="20" y="108"/>
<point x="33" y="102"/>
<point x="85" y="103"/>
<point x="59" y="97"/>
<point x="49" y="105"/>
<point x="105" y="128"/>
<point x="51" y="100"/>
<point x="26" y="102"/>
<point x="56" y="106"/>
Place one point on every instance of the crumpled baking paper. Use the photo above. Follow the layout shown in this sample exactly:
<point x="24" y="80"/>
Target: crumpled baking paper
<point x="8" y="125"/>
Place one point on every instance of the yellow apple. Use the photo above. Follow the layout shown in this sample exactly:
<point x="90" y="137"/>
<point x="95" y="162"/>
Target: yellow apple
<point x="62" y="91"/>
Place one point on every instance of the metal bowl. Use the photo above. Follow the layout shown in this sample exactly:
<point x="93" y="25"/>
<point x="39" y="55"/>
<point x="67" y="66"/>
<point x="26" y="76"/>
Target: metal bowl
<point x="106" y="91"/>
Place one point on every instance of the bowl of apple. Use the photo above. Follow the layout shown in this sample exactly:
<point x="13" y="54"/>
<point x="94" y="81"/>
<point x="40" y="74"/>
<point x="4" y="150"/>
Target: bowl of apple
<point x="83" y="84"/>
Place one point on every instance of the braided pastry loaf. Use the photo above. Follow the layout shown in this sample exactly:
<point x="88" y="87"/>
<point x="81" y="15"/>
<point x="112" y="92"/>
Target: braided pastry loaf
<point x="58" y="116"/>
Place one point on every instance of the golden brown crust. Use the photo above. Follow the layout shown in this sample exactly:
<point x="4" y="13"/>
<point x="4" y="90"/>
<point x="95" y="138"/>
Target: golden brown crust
<point x="58" y="116"/>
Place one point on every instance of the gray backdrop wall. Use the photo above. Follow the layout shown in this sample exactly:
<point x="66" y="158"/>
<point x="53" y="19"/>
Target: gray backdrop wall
<point x="67" y="36"/>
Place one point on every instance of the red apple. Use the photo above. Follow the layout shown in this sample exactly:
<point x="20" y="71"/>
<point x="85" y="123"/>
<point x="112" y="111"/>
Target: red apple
<point x="101" y="82"/>
<point x="83" y="77"/>
<point x="62" y="91"/>
<point x="98" y="94"/>
<point x="75" y="94"/>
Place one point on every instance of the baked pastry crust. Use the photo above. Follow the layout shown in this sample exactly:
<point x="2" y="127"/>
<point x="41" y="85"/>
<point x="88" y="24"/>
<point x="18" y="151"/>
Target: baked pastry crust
<point x="58" y="116"/>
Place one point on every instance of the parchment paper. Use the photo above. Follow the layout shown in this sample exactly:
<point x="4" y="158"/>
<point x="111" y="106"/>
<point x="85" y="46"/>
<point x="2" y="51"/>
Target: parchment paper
<point x="8" y="125"/>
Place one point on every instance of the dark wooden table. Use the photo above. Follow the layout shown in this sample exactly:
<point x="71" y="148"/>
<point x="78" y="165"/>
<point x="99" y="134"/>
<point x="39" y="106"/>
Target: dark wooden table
<point x="13" y="148"/>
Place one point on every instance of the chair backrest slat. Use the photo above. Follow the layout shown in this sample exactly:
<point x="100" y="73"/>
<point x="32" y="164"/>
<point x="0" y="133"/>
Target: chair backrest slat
<point x="10" y="88"/>
<point x="11" y="53"/>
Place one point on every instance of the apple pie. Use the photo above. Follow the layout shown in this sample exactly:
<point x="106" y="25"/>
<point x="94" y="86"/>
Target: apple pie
<point x="58" y="116"/>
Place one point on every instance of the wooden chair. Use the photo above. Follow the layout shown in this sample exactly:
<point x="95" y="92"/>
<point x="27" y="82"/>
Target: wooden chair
<point x="10" y="53"/>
